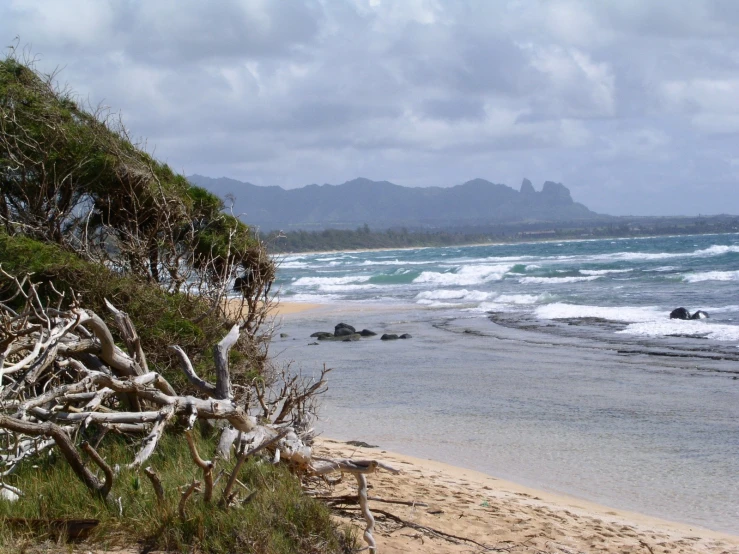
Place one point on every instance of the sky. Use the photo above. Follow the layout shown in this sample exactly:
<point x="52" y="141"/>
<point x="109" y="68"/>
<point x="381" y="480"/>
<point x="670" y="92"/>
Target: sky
<point x="632" y="104"/>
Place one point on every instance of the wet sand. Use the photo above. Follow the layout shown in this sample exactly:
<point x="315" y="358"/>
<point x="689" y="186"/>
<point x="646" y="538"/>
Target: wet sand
<point x="500" y="516"/>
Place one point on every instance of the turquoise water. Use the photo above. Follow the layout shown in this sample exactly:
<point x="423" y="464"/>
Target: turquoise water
<point x="635" y="280"/>
<point x="552" y="364"/>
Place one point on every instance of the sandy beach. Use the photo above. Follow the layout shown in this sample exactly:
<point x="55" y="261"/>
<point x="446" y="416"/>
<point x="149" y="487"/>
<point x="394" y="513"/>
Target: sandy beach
<point x="278" y="309"/>
<point x="460" y="510"/>
<point x="486" y="514"/>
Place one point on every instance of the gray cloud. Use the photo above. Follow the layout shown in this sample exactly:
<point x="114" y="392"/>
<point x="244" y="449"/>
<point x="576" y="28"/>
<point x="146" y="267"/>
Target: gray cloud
<point x="634" y="105"/>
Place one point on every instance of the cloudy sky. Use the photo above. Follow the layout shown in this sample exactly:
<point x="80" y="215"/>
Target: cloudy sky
<point x="633" y="104"/>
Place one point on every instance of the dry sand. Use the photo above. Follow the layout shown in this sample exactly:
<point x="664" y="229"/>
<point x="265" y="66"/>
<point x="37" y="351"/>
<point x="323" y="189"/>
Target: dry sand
<point x="501" y="516"/>
<point x="279" y="309"/>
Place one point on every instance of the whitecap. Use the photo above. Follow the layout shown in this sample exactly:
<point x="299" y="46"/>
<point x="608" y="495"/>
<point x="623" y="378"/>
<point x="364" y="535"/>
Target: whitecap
<point x="696" y="328"/>
<point x="604" y="271"/>
<point x="560" y="310"/>
<point x="711" y="276"/>
<point x="309" y="298"/>
<point x="512" y="302"/>
<point x="464" y="276"/>
<point x="346" y="287"/>
<point x="555" y="280"/>
<point x="293" y="265"/>
<point x="323" y="281"/>
<point x="522" y="298"/>
<point x="429" y="296"/>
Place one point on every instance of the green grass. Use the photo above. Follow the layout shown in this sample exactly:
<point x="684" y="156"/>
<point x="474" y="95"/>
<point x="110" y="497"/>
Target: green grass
<point x="161" y="318"/>
<point x="279" y="519"/>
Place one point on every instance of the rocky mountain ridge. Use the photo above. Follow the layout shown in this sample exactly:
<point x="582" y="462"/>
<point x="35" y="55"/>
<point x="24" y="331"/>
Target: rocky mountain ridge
<point x="381" y="204"/>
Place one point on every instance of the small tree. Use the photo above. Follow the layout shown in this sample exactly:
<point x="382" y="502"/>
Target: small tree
<point x="73" y="177"/>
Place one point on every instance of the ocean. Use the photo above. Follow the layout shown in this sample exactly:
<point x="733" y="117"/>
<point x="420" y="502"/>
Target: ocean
<point x="553" y="364"/>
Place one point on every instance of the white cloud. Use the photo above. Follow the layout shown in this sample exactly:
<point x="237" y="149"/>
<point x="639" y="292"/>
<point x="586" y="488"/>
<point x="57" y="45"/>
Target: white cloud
<point x="612" y="97"/>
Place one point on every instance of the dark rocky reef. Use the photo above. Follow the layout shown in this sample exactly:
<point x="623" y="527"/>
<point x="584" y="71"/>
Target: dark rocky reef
<point x="682" y="313"/>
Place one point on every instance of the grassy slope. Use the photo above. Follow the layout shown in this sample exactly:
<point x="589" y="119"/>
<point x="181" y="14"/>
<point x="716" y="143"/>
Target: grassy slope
<point x="278" y="519"/>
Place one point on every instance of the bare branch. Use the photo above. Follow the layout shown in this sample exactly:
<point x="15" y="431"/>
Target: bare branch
<point x="220" y="354"/>
<point x="189" y="372"/>
<point x="206" y="465"/>
<point x="194" y="486"/>
<point x="156" y="483"/>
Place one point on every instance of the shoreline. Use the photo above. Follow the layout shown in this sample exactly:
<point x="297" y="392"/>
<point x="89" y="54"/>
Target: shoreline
<point x="503" y="514"/>
<point x="501" y="243"/>
<point x="557" y="499"/>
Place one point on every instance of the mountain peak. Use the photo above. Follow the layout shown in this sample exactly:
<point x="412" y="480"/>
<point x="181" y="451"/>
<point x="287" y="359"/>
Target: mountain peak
<point x="382" y="204"/>
<point x="527" y="188"/>
<point x="556" y="193"/>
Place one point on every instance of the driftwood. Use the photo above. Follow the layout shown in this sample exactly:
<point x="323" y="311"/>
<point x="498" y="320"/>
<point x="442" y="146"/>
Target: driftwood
<point x="62" y="373"/>
<point x="352" y="499"/>
<point x="360" y="469"/>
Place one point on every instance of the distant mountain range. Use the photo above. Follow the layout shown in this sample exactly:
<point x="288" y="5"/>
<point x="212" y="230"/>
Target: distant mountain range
<point x="381" y="204"/>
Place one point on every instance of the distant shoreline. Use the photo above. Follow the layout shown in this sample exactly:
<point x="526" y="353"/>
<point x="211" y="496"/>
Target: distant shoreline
<point x="500" y="243"/>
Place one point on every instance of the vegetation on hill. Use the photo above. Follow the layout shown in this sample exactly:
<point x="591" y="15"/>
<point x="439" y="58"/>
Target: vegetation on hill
<point x="91" y="217"/>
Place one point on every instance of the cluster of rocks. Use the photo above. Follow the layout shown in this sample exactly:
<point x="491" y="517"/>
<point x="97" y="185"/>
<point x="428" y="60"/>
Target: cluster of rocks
<point x="682" y="313"/>
<point x="343" y="332"/>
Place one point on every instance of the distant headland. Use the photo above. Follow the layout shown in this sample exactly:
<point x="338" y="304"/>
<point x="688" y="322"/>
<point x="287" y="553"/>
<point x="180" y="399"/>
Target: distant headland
<point x="383" y="205"/>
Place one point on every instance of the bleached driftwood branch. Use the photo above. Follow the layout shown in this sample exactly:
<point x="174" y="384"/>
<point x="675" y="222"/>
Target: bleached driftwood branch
<point x="360" y="469"/>
<point x="62" y="372"/>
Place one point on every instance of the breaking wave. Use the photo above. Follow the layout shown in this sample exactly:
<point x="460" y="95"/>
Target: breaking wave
<point x="631" y="314"/>
<point x="556" y="280"/>
<point x="711" y="276"/>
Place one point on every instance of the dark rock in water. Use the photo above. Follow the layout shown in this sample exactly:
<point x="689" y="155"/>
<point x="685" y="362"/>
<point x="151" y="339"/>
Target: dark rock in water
<point x="405" y="336"/>
<point x="341" y="338"/>
<point x="284" y="335"/>
<point x="342" y="328"/>
<point x="679" y="313"/>
<point x="389" y="337"/>
<point x="362" y="444"/>
<point x="700" y="314"/>
<point x="367" y="333"/>
<point x="312" y="344"/>
<point x="320" y="334"/>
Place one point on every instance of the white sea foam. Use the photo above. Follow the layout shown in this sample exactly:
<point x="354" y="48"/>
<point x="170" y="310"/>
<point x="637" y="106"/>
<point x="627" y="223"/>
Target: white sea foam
<point x="560" y="310"/>
<point x="722" y="309"/>
<point x="604" y="271"/>
<point x="437" y="304"/>
<point x="432" y="297"/>
<point x="715" y="250"/>
<point x="293" y="265"/>
<point x="711" y="276"/>
<point x="464" y="276"/>
<point x="326" y="281"/>
<point x="393" y="262"/>
<point x="346" y="287"/>
<point x="555" y="280"/>
<point x="313" y="298"/>
<point x="520" y="299"/>
<point x="512" y="302"/>
<point x="697" y="328"/>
